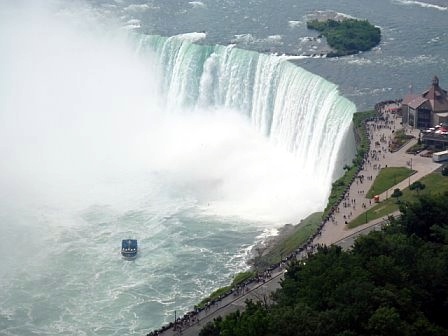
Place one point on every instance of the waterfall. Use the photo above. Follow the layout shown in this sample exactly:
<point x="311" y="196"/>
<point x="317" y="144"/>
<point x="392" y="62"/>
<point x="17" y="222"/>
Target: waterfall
<point x="297" y="110"/>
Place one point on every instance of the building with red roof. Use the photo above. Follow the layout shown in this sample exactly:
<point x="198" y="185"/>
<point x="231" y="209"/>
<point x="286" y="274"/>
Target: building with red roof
<point x="427" y="109"/>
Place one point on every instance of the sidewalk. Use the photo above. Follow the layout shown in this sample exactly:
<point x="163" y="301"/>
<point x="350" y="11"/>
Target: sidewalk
<point x="334" y="230"/>
<point x="379" y="157"/>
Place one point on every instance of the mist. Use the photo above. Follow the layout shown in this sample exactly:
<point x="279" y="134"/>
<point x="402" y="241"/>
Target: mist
<point x="83" y="121"/>
<point x="92" y="151"/>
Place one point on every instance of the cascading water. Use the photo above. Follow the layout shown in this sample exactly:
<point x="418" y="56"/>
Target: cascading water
<point x="195" y="156"/>
<point x="299" y="111"/>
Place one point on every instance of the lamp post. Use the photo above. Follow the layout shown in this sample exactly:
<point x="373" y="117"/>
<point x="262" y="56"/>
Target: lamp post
<point x="410" y="164"/>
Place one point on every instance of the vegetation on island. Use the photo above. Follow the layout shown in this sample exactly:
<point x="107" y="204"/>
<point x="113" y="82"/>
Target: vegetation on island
<point x="393" y="282"/>
<point x="348" y="36"/>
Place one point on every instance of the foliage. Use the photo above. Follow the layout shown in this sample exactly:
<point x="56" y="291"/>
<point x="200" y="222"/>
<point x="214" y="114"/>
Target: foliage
<point x="292" y="241"/>
<point x="214" y="295"/>
<point x="238" y="279"/>
<point x="242" y="277"/>
<point x="417" y="148"/>
<point x="397" y="193"/>
<point x="393" y="282"/>
<point x="347" y="36"/>
<point x="387" y="178"/>
<point x="417" y="185"/>
<point x="445" y="170"/>
<point x="399" y="140"/>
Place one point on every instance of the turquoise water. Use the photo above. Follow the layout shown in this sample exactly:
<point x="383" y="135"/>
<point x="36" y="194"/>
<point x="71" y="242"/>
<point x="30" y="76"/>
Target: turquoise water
<point x="198" y="151"/>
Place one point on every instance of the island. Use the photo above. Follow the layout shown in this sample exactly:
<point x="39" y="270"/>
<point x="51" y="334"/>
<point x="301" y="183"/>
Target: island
<point x="348" y="36"/>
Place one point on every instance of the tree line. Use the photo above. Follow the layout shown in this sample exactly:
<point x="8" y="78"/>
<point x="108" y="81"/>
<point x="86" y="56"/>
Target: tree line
<point x="392" y="282"/>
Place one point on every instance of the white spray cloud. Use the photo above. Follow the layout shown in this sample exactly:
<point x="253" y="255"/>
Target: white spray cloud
<point x="82" y="117"/>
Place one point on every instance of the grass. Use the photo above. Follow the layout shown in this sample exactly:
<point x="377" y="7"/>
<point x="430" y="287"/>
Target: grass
<point x="283" y="247"/>
<point x="417" y="148"/>
<point x="291" y="242"/>
<point x="387" y="178"/>
<point x="242" y="277"/>
<point x="238" y="279"/>
<point x="435" y="183"/>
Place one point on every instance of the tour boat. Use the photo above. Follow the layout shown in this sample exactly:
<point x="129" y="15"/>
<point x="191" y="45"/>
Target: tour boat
<point x="129" y="248"/>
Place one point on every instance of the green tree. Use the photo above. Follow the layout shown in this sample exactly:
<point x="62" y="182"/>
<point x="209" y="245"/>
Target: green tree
<point x="417" y="186"/>
<point x="445" y="170"/>
<point x="397" y="194"/>
<point x="393" y="282"/>
<point x="385" y="321"/>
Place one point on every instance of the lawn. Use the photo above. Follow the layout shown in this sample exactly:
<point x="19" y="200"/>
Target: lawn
<point x="387" y="178"/>
<point x="435" y="183"/>
<point x="300" y="234"/>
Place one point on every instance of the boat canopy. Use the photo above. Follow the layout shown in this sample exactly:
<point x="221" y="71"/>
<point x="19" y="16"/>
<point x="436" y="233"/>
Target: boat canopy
<point x="129" y="244"/>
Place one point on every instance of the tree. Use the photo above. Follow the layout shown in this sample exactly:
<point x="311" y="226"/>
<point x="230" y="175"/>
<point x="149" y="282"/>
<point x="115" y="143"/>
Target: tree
<point x="393" y="282"/>
<point x="417" y="186"/>
<point x="396" y="194"/>
<point x="426" y="218"/>
<point x="385" y="321"/>
<point x="210" y="329"/>
<point x="445" y="170"/>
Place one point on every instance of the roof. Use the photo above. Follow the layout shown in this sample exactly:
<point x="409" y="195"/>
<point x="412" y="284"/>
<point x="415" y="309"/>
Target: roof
<point x="417" y="102"/>
<point x="437" y="96"/>
<point x="407" y="99"/>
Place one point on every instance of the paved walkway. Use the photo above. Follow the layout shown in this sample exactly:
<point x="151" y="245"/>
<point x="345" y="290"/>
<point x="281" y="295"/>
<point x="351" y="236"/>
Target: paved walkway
<point x="256" y="291"/>
<point x="379" y="157"/>
<point x="334" y="231"/>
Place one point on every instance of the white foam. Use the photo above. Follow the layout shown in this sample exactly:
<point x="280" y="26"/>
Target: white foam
<point x="294" y="23"/>
<point x="276" y="38"/>
<point x="422" y="4"/>
<point x="131" y="26"/>
<point x="359" y="61"/>
<point x="197" y="4"/>
<point x="138" y="8"/>
<point x="307" y="39"/>
<point x="133" y="22"/>
<point x="328" y="14"/>
<point x="300" y="57"/>
<point x="192" y="37"/>
<point x="243" y="38"/>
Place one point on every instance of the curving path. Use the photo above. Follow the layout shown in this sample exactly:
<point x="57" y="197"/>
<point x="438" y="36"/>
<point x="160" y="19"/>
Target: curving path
<point x="334" y="231"/>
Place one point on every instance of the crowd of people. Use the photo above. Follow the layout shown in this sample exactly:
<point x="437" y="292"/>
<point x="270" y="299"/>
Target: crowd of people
<point x="345" y="202"/>
<point x="194" y="316"/>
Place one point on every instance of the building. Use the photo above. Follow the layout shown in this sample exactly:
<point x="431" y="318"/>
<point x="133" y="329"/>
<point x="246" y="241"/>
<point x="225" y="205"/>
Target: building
<point x="427" y="109"/>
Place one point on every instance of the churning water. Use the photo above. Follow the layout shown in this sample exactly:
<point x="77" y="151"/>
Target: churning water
<point x="196" y="150"/>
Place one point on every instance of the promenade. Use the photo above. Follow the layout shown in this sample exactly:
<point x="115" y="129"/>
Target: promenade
<point x="333" y="231"/>
<point x="378" y="157"/>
